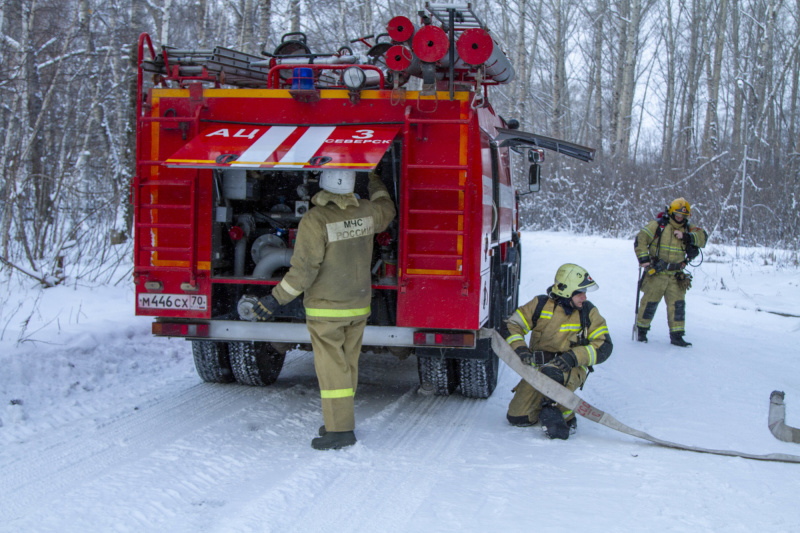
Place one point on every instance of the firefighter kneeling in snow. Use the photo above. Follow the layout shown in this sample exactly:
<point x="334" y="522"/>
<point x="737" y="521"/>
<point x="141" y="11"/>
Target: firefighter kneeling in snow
<point x="568" y="337"/>
<point x="663" y="248"/>
<point x="331" y="265"/>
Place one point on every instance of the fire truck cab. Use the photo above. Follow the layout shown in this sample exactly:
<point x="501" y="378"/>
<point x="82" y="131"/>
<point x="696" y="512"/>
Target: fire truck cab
<point x="230" y="147"/>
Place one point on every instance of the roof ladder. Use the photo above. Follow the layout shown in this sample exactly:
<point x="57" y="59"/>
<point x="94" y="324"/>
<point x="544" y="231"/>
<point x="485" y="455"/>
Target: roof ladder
<point x="459" y="16"/>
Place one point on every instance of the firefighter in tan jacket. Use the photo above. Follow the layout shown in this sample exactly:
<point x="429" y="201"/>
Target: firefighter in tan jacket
<point x="663" y="248"/>
<point x="568" y="337"/>
<point x="331" y="265"/>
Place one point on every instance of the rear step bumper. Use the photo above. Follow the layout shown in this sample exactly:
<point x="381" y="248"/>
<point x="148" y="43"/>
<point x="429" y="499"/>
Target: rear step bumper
<point x="235" y="330"/>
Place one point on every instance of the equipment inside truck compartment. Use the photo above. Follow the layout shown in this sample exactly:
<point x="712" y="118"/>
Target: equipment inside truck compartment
<point x="256" y="216"/>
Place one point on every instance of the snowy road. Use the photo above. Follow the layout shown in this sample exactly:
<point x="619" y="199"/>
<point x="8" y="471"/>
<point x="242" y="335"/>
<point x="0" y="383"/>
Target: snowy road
<point x="107" y="429"/>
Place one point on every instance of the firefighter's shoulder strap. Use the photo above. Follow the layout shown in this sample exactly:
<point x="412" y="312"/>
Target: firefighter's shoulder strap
<point x="537" y="312"/>
<point x="541" y="300"/>
<point x="663" y="220"/>
<point x="585" y="321"/>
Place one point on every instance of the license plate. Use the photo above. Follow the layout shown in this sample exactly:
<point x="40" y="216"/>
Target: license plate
<point x="184" y="302"/>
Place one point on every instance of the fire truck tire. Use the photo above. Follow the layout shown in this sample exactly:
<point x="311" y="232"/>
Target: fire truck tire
<point x="212" y="362"/>
<point x="438" y="372"/>
<point x="478" y="376"/>
<point x="255" y="363"/>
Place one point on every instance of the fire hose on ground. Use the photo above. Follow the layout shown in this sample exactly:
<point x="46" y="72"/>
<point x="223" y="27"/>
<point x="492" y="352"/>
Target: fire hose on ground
<point x="569" y="399"/>
<point x="777" y="415"/>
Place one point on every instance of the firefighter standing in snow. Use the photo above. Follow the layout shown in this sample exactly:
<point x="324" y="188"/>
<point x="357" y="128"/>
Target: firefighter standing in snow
<point x="331" y="265"/>
<point x="663" y="248"/>
<point x="568" y="337"/>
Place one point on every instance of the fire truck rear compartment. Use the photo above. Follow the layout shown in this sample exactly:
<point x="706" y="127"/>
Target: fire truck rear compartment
<point x="255" y="219"/>
<point x="256" y="216"/>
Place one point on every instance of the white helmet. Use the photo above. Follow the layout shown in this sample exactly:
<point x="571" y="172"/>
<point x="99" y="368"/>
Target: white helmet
<point x="338" y="181"/>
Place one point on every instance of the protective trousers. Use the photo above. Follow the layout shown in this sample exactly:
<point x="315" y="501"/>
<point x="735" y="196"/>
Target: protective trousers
<point x="337" y="346"/>
<point x="654" y="288"/>
<point x="528" y="401"/>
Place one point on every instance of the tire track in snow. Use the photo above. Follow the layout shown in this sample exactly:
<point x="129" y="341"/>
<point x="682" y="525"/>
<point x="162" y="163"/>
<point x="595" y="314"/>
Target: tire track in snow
<point x="187" y="483"/>
<point x="111" y="461"/>
<point x="367" y="473"/>
<point x="434" y="449"/>
<point x="59" y="464"/>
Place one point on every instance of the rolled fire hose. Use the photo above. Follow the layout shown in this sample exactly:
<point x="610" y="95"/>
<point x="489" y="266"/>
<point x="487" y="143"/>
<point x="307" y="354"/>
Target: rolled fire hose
<point x="569" y="399"/>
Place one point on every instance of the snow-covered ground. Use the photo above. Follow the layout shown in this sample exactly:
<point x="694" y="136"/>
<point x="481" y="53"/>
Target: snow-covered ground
<point x="105" y="428"/>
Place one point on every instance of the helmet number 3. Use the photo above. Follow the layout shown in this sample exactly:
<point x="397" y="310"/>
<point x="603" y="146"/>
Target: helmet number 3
<point x="364" y="134"/>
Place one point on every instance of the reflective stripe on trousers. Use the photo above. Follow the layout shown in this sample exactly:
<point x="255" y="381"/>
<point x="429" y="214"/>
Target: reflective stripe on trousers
<point x="337" y="313"/>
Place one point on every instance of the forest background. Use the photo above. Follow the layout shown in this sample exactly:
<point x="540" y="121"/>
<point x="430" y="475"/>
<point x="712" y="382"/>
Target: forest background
<point x="693" y="98"/>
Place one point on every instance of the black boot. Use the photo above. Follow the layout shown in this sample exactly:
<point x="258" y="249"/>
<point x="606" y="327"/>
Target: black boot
<point x="519" y="421"/>
<point x="555" y="427"/>
<point x="333" y="440"/>
<point x="572" y="424"/>
<point x="676" y="338"/>
<point x="322" y="430"/>
<point x="641" y="334"/>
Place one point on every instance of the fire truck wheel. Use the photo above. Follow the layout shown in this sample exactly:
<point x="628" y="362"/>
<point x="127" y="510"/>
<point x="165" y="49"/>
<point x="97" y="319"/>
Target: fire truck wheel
<point x="439" y="372"/>
<point x="255" y="363"/>
<point x="478" y="376"/>
<point x="212" y="362"/>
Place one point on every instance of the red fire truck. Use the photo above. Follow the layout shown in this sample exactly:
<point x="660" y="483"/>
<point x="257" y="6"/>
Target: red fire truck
<point x="229" y="150"/>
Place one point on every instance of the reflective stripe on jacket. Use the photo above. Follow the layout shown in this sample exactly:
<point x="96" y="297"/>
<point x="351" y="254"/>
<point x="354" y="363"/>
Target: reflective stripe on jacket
<point x="555" y="331"/>
<point x="671" y="249"/>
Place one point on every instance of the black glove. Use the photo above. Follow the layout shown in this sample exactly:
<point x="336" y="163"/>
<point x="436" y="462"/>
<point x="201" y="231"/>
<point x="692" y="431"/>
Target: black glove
<point x="265" y="307"/>
<point x="553" y="372"/>
<point x="687" y="238"/>
<point x="566" y="361"/>
<point x="525" y="355"/>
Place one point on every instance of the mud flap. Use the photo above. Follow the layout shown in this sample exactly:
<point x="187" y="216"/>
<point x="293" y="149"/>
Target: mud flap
<point x="569" y="399"/>
<point x="777" y="415"/>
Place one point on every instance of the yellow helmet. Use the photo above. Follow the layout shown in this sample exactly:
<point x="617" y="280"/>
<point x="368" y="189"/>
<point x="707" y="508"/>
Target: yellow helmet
<point x="570" y="279"/>
<point x="680" y="206"/>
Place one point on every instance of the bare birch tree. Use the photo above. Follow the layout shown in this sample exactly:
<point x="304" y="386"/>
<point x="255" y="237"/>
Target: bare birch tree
<point x="714" y="77"/>
<point x="628" y="82"/>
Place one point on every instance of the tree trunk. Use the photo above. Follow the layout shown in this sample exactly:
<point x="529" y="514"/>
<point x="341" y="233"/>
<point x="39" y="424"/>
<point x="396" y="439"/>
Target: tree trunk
<point x="669" y="32"/>
<point x="762" y="79"/>
<point x="166" y="19"/>
<point x="711" y="128"/>
<point x="521" y="81"/>
<point x="559" y="69"/>
<point x="628" y="86"/>
<point x="129" y="155"/>
<point x="33" y="170"/>
<point x="265" y="12"/>
<point x="8" y="170"/>
<point x="793" y="144"/>
<point x="201" y="14"/>
<point x="294" y="14"/>
<point x="623" y="16"/>
<point x="598" y="76"/>
<point x="686" y="125"/>
<point x="738" y="88"/>
<point x="246" y="28"/>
